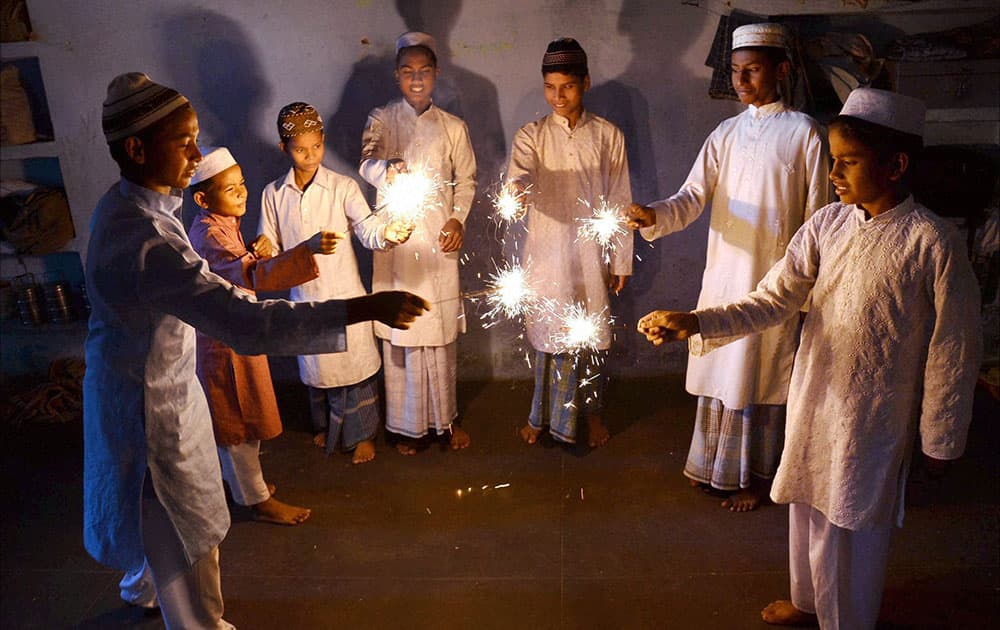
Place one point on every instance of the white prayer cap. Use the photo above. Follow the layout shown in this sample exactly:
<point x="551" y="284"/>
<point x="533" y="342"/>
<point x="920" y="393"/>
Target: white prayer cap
<point x="215" y="161"/>
<point x="416" y="38"/>
<point x="135" y="102"/>
<point x="766" y="34"/>
<point x="888" y="109"/>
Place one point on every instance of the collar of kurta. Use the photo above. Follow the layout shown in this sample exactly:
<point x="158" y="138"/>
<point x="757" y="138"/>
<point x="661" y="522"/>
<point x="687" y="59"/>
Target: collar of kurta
<point x="410" y="109"/>
<point x="904" y="208"/>
<point x="767" y="110"/>
<point x="207" y="216"/>
<point x="320" y="179"/>
<point x="563" y="122"/>
<point x="152" y="200"/>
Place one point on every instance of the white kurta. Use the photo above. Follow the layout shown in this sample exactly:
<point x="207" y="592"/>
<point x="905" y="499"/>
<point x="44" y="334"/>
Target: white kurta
<point x="892" y="337"/>
<point x="440" y="142"/>
<point x="288" y="217"/>
<point x="764" y="172"/>
<point x="564" y="166"/>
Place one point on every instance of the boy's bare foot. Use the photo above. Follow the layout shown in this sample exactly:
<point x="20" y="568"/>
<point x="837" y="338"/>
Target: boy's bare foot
<point x="784" y="613"/>
<point x="364" y="452"/>
<point x="459" y="438"/>
<point x="693" y="483"/>
<point x="746" y="499"/>
<point x="406" y="446"/>
<point x="274" y="511"/>
<point x="599" y="434"/>
<point x="530" y="434"/>
<point x="320" y="439"/>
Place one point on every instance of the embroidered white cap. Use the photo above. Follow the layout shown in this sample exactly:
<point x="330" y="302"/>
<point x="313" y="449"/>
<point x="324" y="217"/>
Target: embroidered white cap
<point x="767" y="34"/>
<point x="888" y="109"/>
<point x="215" y="161"/>
<point x="416" y="38"/>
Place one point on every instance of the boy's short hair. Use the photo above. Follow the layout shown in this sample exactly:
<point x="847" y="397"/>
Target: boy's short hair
<point x="416" y="40"/>
<point x="565" y="56"/>
<point x="883" y="141"/>
<point x="298" y="118"/>
<point x="775" y="55"/>
<point x="136" y="106"/>
<point x="884" y="121"/>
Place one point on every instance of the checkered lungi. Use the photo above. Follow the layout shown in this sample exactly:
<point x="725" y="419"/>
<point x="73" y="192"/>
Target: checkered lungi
<point x="566" y="384"/>
<point x="348" y="414"/>
<point x="420" y="388"/>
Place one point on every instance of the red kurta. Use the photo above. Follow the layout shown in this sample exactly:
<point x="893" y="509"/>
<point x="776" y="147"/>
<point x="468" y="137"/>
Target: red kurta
<point x="238" y="387"/>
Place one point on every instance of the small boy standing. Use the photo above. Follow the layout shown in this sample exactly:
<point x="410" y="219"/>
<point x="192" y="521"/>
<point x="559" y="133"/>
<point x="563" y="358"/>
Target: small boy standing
<point x="152" y="489"/>
<point x="891" y="347"/>
<point x="343" y="391"/>
<point x="238" y="387"/>
<point x="567" y="158"/>
<point x="764" y="172"/>
<point x="421" y="364"/>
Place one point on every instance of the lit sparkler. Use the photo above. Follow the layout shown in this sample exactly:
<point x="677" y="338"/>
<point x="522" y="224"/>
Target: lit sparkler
<point x="607" y="225"/>
<point x="508" y="293"/>
<point x="405" y="199"/>
<point x="579" y="330"/>
<point x="509" y="204"/>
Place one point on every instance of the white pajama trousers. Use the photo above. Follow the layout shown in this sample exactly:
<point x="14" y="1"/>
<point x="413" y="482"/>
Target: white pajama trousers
<point x="241" y="470"/>
<point x="837" y="574"/>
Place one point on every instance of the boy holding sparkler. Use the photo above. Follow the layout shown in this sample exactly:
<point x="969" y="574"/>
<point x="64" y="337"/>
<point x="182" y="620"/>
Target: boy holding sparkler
<point x="427" y="154"/>
<point x="764" y="172"/>
<point x="891" y="346"/>
<point x="572" y="160"/>
<point x="343" y="391"/>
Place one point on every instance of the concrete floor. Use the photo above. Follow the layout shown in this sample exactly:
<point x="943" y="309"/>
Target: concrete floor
<point x="609" y="539"/>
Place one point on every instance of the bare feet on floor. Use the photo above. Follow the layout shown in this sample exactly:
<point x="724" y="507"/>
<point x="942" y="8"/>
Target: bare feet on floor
<point x="459" y="438"/>
<point x="530" y="434"/>
<point x="406" y="446"/>
<point x="274" y="511"/>
<point x="784" y="613"/>
<point x="745" y="500"/>
<point x="599" y="434"/>
<point x="320" y="439"/>
<point x="364" y="452"/>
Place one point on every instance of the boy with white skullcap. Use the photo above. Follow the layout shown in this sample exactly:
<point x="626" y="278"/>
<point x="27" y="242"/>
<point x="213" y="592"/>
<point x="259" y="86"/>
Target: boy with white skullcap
<point x="891" y="347"/>
<point x="238" y="387"/>
<point x="154" y="505"/>
<point x="412" y="134"/>
<point x="763" y="172"/>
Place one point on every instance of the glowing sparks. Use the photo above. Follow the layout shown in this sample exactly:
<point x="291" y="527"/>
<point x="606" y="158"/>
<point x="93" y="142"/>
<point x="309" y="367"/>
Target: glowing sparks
<point x="510" y="294"/>
<point x="580" y="330"/>
<point x="607" y="225"/>
<point x="406" y="198"/>
<point x="509" y="204"/>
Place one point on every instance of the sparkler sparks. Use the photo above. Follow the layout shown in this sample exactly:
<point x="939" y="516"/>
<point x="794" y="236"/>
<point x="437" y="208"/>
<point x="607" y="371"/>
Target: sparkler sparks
<point x="511" y="292"/>
<point x="579" y="330"/>
<point x="606" y="226"/>
<point x="404" y="199"/>
<point x="509" y="204"/>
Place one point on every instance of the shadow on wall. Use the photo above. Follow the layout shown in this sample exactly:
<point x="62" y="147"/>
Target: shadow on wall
<point x="469" y="96"/>
<point x="218" y="69"/>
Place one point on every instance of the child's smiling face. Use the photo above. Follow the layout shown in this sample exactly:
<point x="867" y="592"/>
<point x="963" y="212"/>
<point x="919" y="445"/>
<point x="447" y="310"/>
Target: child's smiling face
<point x="564" y="93"/>
<point x="755" y="76"/>
<point x="416" y="73"/>
<point x="171" y="155"/>
<point x="228" y="193"/>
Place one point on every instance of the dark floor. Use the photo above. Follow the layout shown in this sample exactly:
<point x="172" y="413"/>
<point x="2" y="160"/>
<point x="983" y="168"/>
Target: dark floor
<point x="609" y="539"/>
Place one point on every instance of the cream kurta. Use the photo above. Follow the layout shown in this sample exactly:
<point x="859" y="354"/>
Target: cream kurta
<point x="564" y="166"/>
<point x="333" y="202"/>
<point x="764" y="172"/>
<point x="892" y="343"/>
<point x="440" y="142"/>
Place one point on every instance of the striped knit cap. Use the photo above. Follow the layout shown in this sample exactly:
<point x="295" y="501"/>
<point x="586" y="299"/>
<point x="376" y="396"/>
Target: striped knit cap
<point x="298" y="118"/>
<point x="565" y="55"/>
<point x="135" y="102"/>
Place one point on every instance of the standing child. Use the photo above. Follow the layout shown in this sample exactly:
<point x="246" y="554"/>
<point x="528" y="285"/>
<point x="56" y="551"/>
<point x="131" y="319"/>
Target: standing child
<point x="152" y="489"/>
<point x="569" y="157"/>
<point x="343" y="391"/>
<point x="420" y="364"/>
<point x="891" y="347"/>
<point x="238" y="387"/>
<point x="764" y="172"/>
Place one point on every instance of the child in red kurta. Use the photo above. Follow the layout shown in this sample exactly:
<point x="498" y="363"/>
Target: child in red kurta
<point x="238" y="387"/>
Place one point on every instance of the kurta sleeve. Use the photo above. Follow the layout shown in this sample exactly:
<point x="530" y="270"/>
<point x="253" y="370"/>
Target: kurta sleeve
<point x="523" y="162"/>
<point x="620" y="195"/>
<point x="954" y="353"/>
<point x="683" y="208"/>
<point x="228" y="258"/>
<point x="371" y="232"/>
<point x="464" y="175"/>
<point x="268" y="225"/>
<point x="818" y="174"/>
<point x="173" y="279"/>
<point x="777" y="298"/>
<point x="374" y="162"/>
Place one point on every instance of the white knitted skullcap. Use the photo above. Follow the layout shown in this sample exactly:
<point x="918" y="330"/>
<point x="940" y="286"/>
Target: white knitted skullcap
<point x="766" y="34"/>
<point x="415" y="38"/>
<point x="888" y="109"/>
<point x="215" y="161"/>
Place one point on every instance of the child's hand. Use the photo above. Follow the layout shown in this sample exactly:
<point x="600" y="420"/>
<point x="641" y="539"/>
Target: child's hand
<point x="640" y="217"/>
<point x="617" y="283"/>
<point x="451" y="236"/>
<point x="324" y="242"/>
<point x="397" y="308"/>
<point x="398" y="232"/>
<point x="660" y="326"/>
<point x="394" y="166"/>
<point x="262" y="247"/>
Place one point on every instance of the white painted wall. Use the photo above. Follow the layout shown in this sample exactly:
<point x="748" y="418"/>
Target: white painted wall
<point x="239" y="61"/>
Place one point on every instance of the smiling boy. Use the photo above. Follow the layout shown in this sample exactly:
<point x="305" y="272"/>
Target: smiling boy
<point x="890" y="348"/>
<point x="764" y="173"/>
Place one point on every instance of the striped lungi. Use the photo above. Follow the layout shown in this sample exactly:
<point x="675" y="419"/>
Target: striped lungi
<point x="348" y="414"/>
<point x="566" y="384"/>
<point x="419" y="388"/>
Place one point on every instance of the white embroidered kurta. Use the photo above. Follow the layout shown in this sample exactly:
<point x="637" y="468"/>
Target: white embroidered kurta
<point x="892" y="344"/>
<point x="439" y="142"/>
<point x="333" y="202"/>
<point x="143" y="404"/>
<point x="564" y="166"/>
<point x="764" y="172"/>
